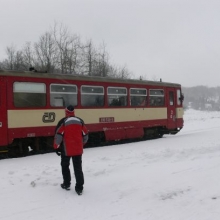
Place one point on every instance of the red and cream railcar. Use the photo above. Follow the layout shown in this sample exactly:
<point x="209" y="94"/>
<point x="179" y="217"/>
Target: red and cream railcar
<point x="32" y="103"/>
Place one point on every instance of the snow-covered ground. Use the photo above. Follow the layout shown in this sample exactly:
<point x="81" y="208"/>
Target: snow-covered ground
<point x="173" y="178"/>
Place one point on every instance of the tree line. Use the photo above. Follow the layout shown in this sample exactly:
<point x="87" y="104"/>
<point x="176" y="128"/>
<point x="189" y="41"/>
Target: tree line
<point x="202" y="98"/>
<point x="59" y="51"/>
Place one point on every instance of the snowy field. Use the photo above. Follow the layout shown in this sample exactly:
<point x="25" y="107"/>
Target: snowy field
<point x="173" y="178"/>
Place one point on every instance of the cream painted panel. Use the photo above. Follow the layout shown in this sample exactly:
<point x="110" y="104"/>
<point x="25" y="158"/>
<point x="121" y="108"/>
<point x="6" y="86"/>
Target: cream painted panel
<point x="91" y="116"/>
<point x="33" y="118"/>
<point x="179" y="112"/>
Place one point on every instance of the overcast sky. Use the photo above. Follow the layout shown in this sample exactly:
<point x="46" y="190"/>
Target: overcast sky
<point x="176" y="40"/>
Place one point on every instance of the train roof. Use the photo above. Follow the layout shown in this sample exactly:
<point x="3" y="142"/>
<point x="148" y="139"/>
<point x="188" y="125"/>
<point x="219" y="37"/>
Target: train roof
<point x="84" y="78"/>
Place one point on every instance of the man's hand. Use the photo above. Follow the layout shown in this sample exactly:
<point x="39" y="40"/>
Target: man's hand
<point x="58" y="152"/>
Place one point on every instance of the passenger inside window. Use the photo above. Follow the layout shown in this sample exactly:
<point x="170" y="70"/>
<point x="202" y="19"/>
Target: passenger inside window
<point x="159" y="101"/>
<point x="156" y="101"/>
<point x="100" y="100"/>
<point x="92" y="100"/>
<point x="138" y="101"/>
<point x="142" y="101"/>
<point x="123" y="101"/>
<point x="115" y="102"/>
<point x="152" y="101"/>
<point x="134" y="101"/>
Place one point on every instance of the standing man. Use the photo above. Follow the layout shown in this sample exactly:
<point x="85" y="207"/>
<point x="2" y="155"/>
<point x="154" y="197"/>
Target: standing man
<point x="70" y="137"/>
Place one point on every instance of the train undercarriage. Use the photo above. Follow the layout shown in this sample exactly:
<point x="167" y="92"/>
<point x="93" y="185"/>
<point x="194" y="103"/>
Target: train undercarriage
<point x="39" y="145"/>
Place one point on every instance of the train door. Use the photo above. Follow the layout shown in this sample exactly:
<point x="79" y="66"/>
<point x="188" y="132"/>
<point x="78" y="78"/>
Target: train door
<point x="171" y="109"/>
<point x="3" y="113"/>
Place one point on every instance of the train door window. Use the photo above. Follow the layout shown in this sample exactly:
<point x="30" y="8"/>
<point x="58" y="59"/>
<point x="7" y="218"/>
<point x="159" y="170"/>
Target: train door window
<point x="29" y="94"/>
<point x="138" y="97"/>
<point x="156" y="97"/>
<point x="180" y="97"/>
<point x="117" y="96"/>
<point x="92" y="96"/>
<point x="171" y="97"/>
<point x="62" y="95"/>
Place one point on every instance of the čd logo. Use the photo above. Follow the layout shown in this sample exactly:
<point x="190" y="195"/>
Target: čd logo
<point x="48" y="117"/>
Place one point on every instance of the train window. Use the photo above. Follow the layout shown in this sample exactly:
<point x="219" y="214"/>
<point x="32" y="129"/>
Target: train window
<point x="92" y="96"/>
<point x="29" y="94"/>
<point x="117" y="96"/>
<point x="171" y="97"/>
<point x="156" y="97"/>
<point x="62" y="95"/>
<point x="178" y="93"/>
<point x="180" y="97"/>
<point x="138" y="97"/>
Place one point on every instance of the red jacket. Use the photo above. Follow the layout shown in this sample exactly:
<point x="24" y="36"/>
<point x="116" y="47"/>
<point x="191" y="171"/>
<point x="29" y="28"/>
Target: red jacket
<point x="72" y="134"/>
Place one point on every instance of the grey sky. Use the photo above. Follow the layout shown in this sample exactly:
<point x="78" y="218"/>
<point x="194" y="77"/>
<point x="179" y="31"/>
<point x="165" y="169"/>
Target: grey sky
<point x="176" y="40"/>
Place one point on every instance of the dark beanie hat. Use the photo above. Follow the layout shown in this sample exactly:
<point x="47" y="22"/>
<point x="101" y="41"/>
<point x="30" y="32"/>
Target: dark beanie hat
<point x="69" y="110"/>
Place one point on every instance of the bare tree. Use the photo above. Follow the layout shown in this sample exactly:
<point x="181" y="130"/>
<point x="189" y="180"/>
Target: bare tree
<point x="88" y="57"/>
<point x="59" y="51"/>
<point x="155" y="78"/>
<point x="67" y="47"/>
<point x="45" y="50"/>
<point x="97" y="60"/>
<point x="19" y="61"/>
<point x="73" y="55"/>
<point x="103" y="61"/>
<point x="10" y="60"/>
<point x="28" y="55"/>
<point x="14" y="60"/>
<point x="120" y="72"/>
<point x="124" y="73"/>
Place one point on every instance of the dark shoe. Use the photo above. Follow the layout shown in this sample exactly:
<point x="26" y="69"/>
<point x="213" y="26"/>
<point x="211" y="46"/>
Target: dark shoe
<point x="66" y="187"/>
<point x="79" y="192"/>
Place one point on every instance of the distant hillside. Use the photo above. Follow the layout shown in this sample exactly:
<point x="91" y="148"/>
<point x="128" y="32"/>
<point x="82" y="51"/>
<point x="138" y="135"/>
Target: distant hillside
<point x="202" y="98"/>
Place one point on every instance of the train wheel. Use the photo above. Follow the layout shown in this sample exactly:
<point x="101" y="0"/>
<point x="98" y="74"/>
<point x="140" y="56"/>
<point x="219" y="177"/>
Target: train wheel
<point x="25" y="150"/>
<point x="14" y="151"/>
<point x="160" y="135"/>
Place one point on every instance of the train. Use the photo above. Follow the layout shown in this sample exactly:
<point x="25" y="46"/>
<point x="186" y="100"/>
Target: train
<point x="32" y="103"/>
